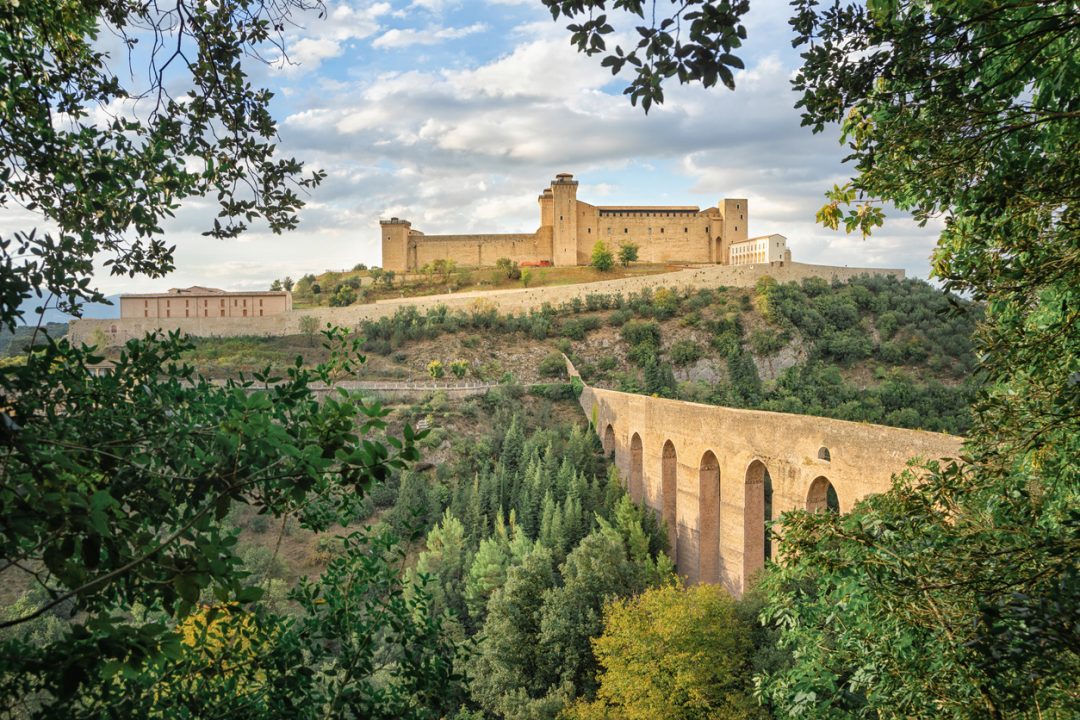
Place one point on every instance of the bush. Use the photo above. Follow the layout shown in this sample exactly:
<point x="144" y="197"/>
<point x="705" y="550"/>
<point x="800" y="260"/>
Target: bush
<point x="628" y="253"/>
<point x="435" y="369"/>
<point x="619" y="318"/>
<point x="685" y="352"/>
<point x="602" y="259"/>
<point x="343" y="296"/>
<point x="509" y="268"/>
<point x="552" y="366"/>
<point x="638" y="332"/>
<point x="459" y="367"/>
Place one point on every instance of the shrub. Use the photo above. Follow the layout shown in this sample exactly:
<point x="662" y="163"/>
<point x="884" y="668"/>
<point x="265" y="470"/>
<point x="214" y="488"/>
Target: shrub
<point x="628" y="253"/>
<point x="553" y="366"/>
<point x="602" y="259"/>
<point x="459" y="367"/>
<point x="638" y="332"/>
<point x="685" y="352"/>
<point x="343" y="296"/>
<point x="435" y="369"/>
<point x="508" y="268"/>
<point x="619" y="318"/>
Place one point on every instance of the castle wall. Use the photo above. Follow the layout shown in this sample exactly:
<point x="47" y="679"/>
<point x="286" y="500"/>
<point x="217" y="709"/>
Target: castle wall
<point x="480" y="250"/>
<point x="660" y="236"/>
<point x="505" y="301"/>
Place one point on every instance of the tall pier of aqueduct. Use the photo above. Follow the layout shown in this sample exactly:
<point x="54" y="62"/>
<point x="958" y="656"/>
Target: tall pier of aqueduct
<point x="716" y="475"/>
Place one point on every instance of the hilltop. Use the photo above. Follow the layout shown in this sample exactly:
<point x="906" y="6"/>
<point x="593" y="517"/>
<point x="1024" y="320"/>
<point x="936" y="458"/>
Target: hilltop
<point x="877" y="349"/>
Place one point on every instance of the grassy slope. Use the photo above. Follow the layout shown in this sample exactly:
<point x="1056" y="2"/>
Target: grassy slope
<point x="463" y="280"/>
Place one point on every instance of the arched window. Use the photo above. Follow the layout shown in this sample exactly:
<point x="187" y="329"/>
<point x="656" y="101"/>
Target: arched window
<point x="823" y="454"/>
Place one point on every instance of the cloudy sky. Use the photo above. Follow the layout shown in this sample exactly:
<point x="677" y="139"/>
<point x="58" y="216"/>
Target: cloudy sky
<point x="456" y="114"/>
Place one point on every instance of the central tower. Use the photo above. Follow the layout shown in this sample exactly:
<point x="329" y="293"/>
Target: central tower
<point x="564" y="219"/>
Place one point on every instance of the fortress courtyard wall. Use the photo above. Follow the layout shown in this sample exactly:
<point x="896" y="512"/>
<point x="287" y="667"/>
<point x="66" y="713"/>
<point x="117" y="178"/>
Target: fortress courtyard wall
<point x="505" y="301"/>
<point x="481" y="250"/>
<point x="685" y="238"/>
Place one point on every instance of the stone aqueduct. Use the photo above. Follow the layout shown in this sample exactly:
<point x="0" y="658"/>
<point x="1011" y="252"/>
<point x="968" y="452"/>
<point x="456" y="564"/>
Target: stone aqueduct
<point x="716" y="475"/>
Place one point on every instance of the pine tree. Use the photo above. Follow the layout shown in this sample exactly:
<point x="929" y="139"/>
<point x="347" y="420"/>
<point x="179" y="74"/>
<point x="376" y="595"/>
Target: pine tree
<point x="513" y="445"/>
<point x="446" y="560"/>
<point x="487" y="573"/>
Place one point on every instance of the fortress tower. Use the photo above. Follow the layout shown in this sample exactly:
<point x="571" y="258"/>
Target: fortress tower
<point x="395" y="244"/>
<point x="564" y="220"/>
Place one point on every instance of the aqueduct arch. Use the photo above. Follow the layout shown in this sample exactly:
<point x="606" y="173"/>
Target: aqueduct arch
<point x="636" y="486"/>
<point x="754" y="487"/>
<point x="708" y="519"/>
<point x="669" y="491"/>
<point x="743" y="468"/>
<point x="822" y="496"/>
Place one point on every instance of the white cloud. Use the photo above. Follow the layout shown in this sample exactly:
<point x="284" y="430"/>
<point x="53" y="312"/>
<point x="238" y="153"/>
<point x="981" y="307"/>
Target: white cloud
<point x="406" y="37"/>
<point x="305" y="49"/>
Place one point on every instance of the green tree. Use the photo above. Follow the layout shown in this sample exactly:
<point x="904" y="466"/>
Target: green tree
<point x="628" y="253"/>
<point x="510" y="268"/>
<point x="287" y="283"/>
<point x="343" y="296"/>
<point x="275" y="286"/>
<point x="673" y="653"/>
<point x="602" y="259"/>
<point x="309" y="325"/>
<point x="504" y="670"/>
<point x="446" y="561"/>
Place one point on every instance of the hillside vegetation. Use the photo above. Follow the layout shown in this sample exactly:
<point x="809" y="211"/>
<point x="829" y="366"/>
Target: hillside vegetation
<point x="873" y="350"/>
<point x="366" y="285"/>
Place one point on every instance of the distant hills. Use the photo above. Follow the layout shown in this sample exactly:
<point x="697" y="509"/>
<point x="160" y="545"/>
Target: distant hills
<point x="91" y="311"/>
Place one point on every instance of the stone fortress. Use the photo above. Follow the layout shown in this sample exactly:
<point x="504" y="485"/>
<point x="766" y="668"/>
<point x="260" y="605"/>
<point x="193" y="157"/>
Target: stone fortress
<point x="569" y="228"/>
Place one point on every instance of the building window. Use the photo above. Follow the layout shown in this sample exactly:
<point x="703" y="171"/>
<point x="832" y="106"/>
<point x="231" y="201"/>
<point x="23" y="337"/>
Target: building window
<point x="223" y="312"/>
<point x="146" y="303"/>
<point x="168" y="313"/>
<point x="589" y="231"/>
<point x="234" y="303"/>
<point x="245" y="312"/>
<point x="260" y="302"/>
<point x="205" y="313"/>
<point x="625" y="230"/>
<point x="661" y="231"/>
<point x="223" y="303"/>
<point x="686" y="230"/>
<point x="145" y="313"/>
<point x="260" y="312"/>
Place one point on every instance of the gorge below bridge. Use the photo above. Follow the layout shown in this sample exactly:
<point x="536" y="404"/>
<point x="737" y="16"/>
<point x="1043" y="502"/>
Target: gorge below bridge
<point x="718" y="475"/>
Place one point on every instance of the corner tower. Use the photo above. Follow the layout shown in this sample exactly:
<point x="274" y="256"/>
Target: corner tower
<point x="564" y="220"/>
<point x="736" y="212"/>
<point x="395" y="244"/>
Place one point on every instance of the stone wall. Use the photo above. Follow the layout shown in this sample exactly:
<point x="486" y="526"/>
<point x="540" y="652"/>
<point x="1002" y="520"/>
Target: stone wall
<point x="505" y="301"/>
<point x="704" y="469"/>
<point x="479" y="250"/>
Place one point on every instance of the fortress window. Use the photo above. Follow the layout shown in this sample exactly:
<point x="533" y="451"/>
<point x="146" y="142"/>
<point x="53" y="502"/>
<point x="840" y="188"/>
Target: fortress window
<point x="661" y="231"/>
<point x="686" y="230"/>
<point x="625" y="230"/>
<point x="589" y="231"/>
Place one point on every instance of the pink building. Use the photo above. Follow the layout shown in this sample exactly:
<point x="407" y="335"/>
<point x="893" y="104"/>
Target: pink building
<point x="203" y="302"/>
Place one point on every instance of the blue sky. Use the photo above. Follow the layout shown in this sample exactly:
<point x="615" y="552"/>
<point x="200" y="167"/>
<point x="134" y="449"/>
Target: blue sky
<point x="456" y="114"/>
